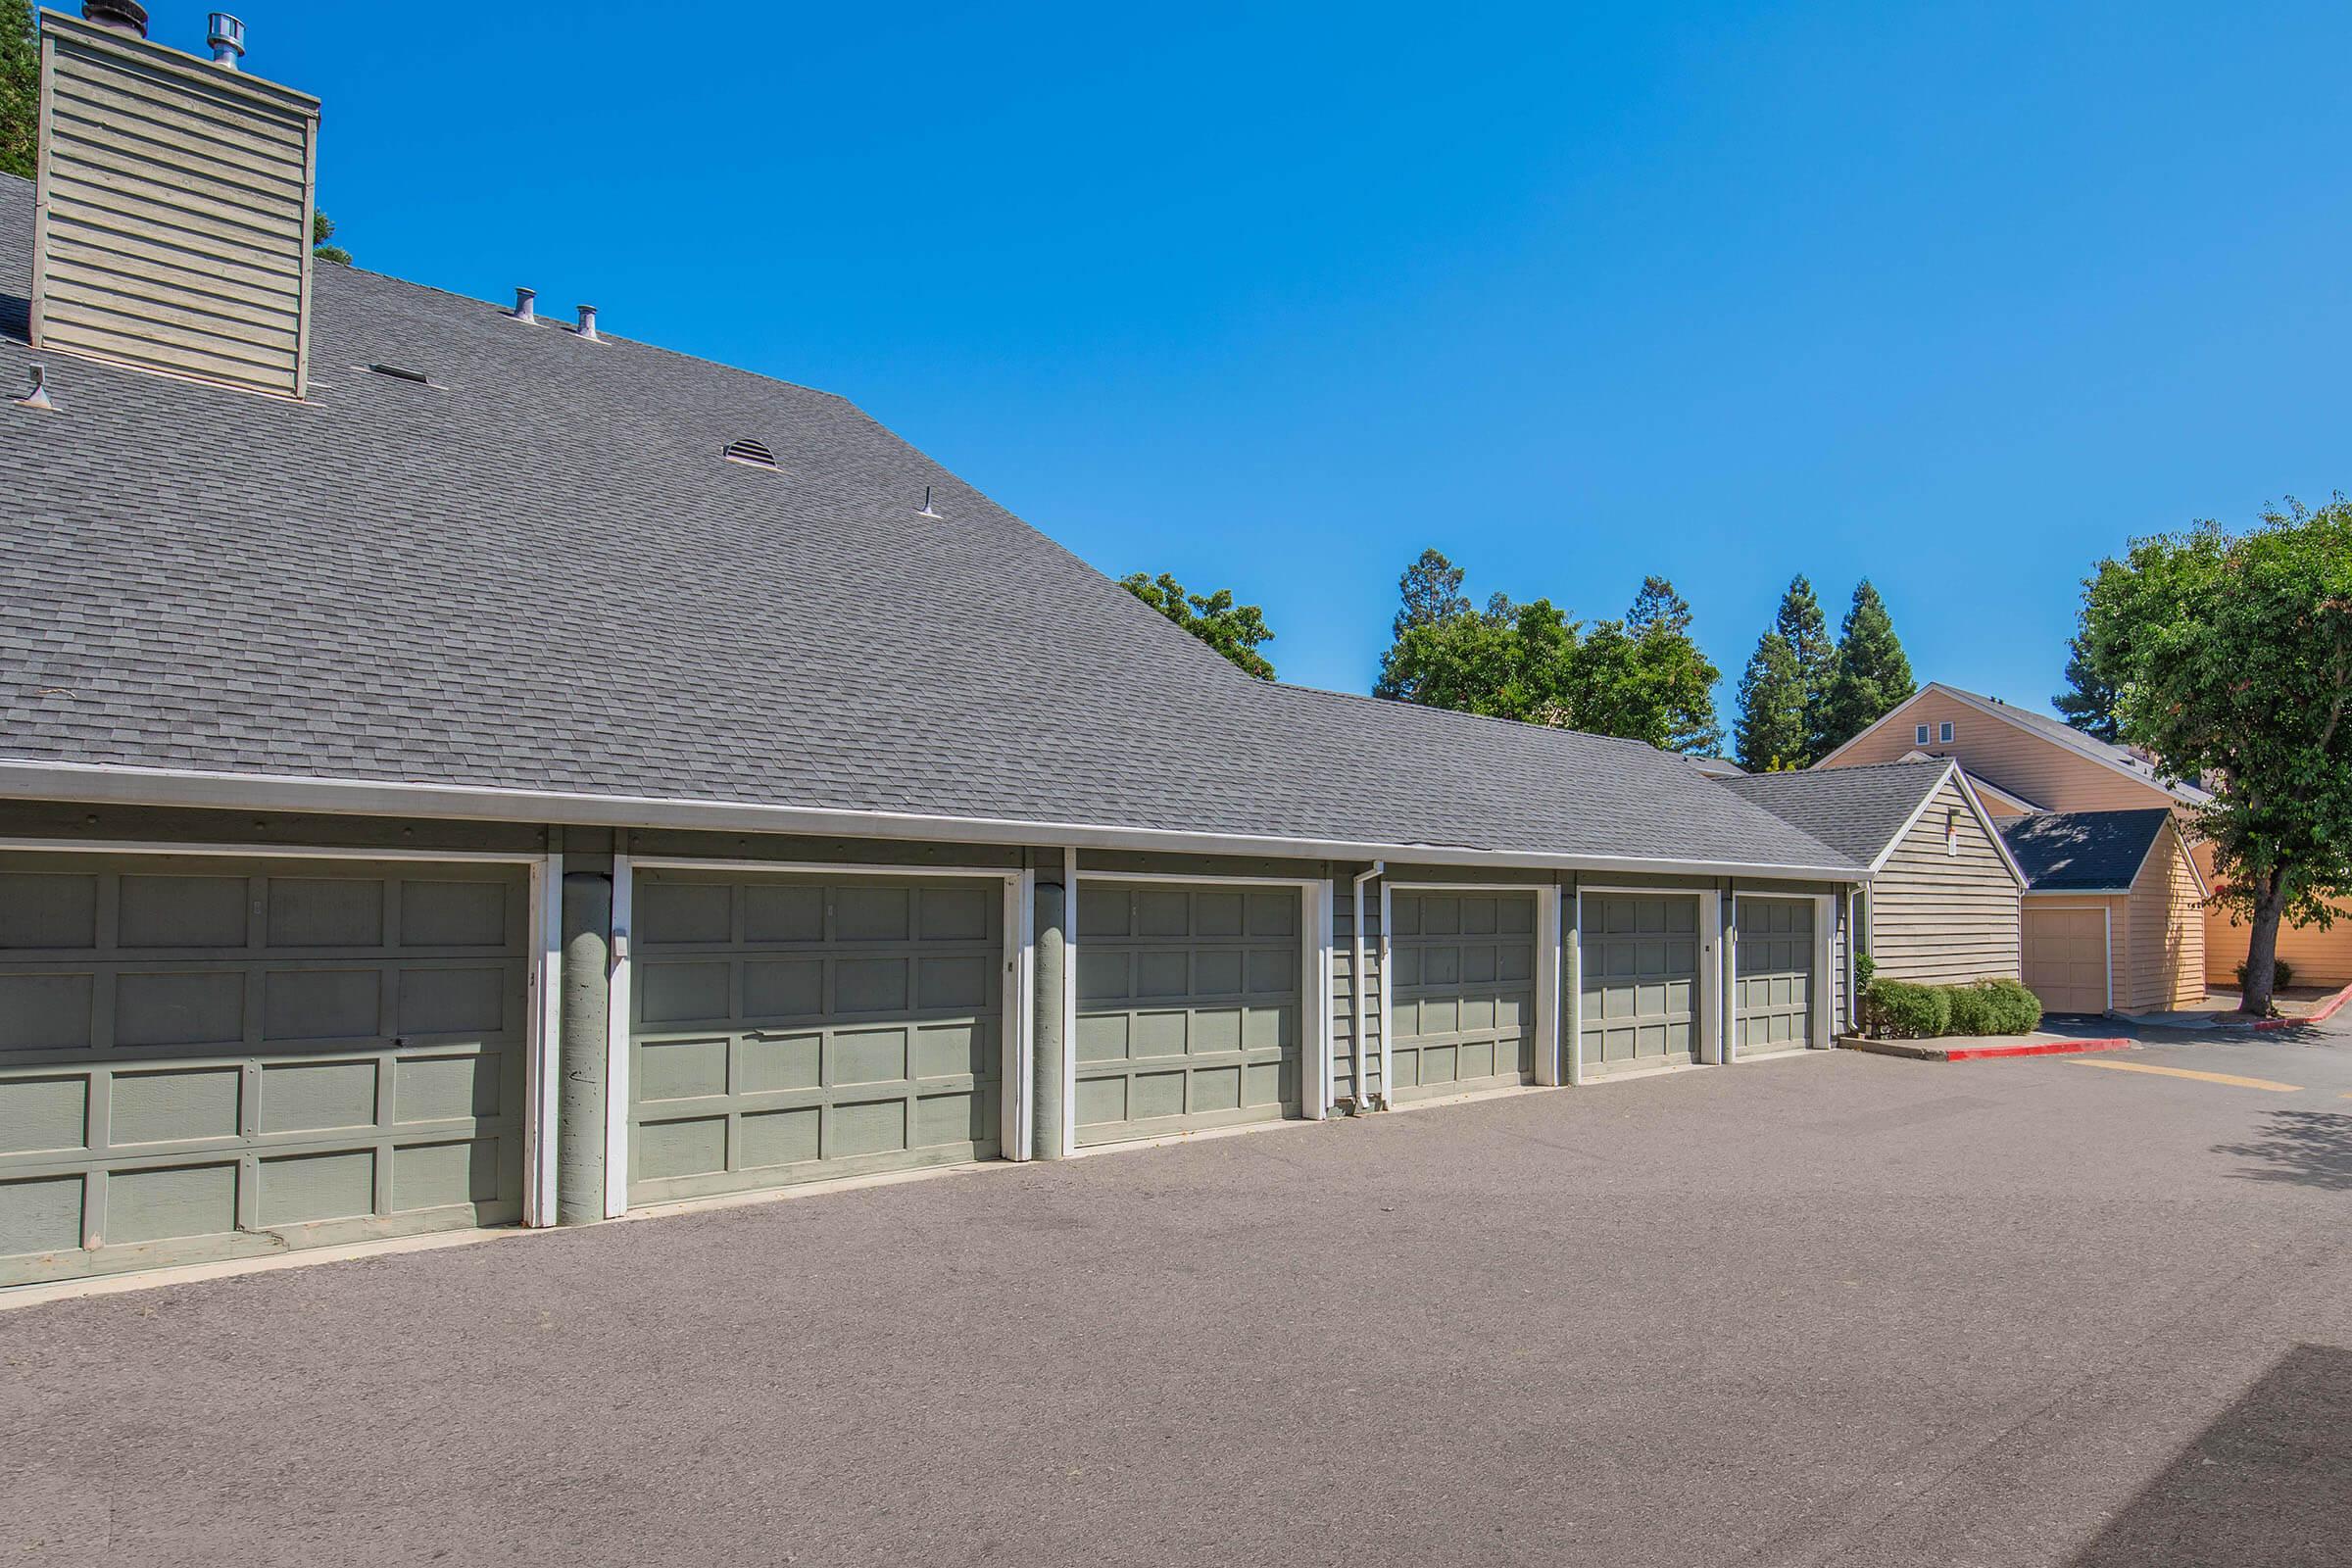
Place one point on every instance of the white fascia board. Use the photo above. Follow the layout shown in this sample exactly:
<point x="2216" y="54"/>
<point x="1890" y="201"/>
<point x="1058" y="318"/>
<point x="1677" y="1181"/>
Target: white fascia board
<point x="1991" y="828"/>
<point x="102" y="784"/>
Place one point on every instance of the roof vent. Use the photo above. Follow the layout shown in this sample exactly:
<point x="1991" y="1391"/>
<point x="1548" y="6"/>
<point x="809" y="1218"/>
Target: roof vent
<point x="116" y="15"/>
<point x="400" y="374"/>
<point x="38" y="397"/>
<point x="526" y="307"/>
<point x="751" y="452"/>
<point x="927" y="511"/>
<point x="226" y="34"/>
<point x="587" y="326"/>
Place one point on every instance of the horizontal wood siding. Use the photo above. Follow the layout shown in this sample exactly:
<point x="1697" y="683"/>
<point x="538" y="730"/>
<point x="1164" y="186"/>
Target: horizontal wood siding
<point x="1943" y="919"/>
<point x="2052" y="777"/>
<point x="174" y="214"/>
<point x="2318" y="957"/>
<point x="2166" y="962"/>
<point x="1343" y="996"/>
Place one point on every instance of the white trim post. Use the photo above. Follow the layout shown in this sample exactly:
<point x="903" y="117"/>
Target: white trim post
<point x="1315" y="1009"/>
<point x="1017" y="1115"/>
<point x="542" y="1092"/>
<point x="1547" y="985"/>
<point x="1573" y="948"/>
<point x="618" y="1013"/>
<point x="1824" y="969"/>
<point x="1069" y="1001"/>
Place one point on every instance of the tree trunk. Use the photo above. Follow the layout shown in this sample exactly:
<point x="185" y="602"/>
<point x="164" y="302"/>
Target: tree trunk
<point x="2262" y="946"/>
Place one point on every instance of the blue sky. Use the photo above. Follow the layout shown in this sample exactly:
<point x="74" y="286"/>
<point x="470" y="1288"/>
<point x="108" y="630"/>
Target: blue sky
<point x="1961" y="298"/>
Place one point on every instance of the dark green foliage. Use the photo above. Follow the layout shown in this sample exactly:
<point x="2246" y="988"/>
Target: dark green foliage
<point x="19" y="89"/>
<point x="1770" y="731"/>
<point x="1800" y="624"/>
<point x="2021" y="1009"/>
<point x="1900" y="1011"/>
<point x="1432" y="590"/>
<point x="1233" y="630"/>
<point x="1866" y="968"/>
<point x="1643" y="677"/>
<point x="322" y="231"/>
<point x="1871" y="674"/>
<point x="2089" y="702"/>
<point x="1993" y="1008"/>
<point x="2231" y="657"/>
<point x="2282" y="974"/>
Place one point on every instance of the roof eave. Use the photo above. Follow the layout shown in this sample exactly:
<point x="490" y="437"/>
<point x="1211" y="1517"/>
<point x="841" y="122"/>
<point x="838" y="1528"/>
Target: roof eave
<point x="109" y="784"/>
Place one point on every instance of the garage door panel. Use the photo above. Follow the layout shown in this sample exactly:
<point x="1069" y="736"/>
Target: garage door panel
<point x="1463" y="1005"/>
<point x="1639" y="957"/>
<point x="2066" y="958"/>
<point x="1188" y="1007"/>
<point x="793" y="1028"/>
<point x="1776" y="989"/>
<point x="202" y="1058"/>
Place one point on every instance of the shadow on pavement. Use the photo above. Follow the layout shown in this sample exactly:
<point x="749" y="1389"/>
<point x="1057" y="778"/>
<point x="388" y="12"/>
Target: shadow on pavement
<point x="2269" y="1482"/>
<point x="2307" y="1147"/>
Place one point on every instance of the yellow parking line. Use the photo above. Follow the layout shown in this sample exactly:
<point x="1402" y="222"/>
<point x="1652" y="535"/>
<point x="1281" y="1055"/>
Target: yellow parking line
<point x="2184" y="1073"/>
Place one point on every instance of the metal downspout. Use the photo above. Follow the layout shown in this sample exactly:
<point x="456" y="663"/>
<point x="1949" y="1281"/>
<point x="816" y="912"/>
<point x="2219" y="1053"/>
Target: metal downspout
<point x="1355" y="980"/>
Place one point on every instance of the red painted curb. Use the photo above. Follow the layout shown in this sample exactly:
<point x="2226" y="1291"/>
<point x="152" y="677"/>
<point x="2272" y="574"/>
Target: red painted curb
<point x="2320" y="1015"/>
<point x="2048" y="1048"/>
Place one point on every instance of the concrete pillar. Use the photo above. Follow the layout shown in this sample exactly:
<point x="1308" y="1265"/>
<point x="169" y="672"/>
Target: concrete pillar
<point x="1053" y="1047"/>
<point x="581" y="1045"/>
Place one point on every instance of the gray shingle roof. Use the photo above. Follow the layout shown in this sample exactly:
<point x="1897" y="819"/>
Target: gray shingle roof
<point x="539" y="575"/>
<point x="1855" y="810"/>
<point x="2082" y="852"/>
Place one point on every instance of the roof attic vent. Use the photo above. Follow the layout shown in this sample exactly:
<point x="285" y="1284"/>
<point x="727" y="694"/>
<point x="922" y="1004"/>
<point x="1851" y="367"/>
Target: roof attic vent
<point x="226" y="34"/>
<point x="587" y="326"/>
<point x="116" y="15"/>
<point x="38" y="397"/>
<point x="526" y="307"/>
<point x="750" y="452"/>
<point x="398" y="373"/>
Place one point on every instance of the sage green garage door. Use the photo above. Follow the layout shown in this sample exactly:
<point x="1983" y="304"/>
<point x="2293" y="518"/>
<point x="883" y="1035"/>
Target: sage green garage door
<point x="795" y="1028"/>
<point x="1775" y="955"/>
<point x="1639" y="958"/>
<point x="1464" y="1004"/>
<point x="202" y="1057"/>
<point x="1188" y="1007"/>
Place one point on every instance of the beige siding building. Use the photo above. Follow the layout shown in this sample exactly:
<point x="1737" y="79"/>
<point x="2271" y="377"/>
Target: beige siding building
<point x="1942" y="906"/>
<point x="2022" y="762"/>
<point x="2111" y="911"/>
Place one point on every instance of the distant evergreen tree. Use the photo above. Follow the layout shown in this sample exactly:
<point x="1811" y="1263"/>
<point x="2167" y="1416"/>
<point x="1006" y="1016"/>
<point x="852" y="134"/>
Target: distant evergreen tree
<point x="19" y="89"/>
<point x="1235" y="630"/>
<point x="2089" y="701"/>
<point x="1432" y="590"/>
<point x="1802" y="626"/>
<point x="1771" y="732"/>
<point x="323" y="235"/>
<point x="1871" y="674"/>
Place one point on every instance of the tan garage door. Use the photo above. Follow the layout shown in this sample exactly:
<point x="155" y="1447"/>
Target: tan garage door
<point x="2066" y="958"/>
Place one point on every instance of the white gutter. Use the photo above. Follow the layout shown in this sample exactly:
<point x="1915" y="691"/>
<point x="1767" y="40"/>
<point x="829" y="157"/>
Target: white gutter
<point x="1355" y="981"/>
<point x="102" y="784"/>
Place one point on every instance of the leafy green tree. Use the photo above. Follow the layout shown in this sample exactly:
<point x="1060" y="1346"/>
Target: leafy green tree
<point x="2232" y="659"/>
<point x="19" y="90"/>
<point x="322" y="233"/>
<point x="1432" y="590"/>
<point x="1520" y="665"/>
<point x="1800" y="624"/>
<point x="2088" y="702"/>
<point x="1771" y="732"/>
<point x="1871" y="674"/>
<point x="1644" y="678"/>
<point x="1233" y="630"/>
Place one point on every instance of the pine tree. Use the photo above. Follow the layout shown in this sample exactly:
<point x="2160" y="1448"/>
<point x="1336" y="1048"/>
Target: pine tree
<point x="1871" y="674"/>
<point x="1432" y="590"/>
<point x="1771" y="732"/>
<point x="19" y="89"/>
<point x="2089" y="701"/>
<point x="1802" y="626"/>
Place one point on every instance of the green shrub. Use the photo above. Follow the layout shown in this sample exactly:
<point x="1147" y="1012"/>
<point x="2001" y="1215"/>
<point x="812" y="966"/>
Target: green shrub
<point x="1972" y="1010"/>
<point x="1993" y="1008"/>
<point x="1900" y="1011"/>
<point x="2018" y="1009"/>
<point x="2282" y="974"/>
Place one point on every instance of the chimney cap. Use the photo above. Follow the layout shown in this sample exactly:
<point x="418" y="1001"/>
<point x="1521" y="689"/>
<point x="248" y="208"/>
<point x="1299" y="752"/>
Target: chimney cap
<point x="587" y="326"/>
<point x="117" y="16"/>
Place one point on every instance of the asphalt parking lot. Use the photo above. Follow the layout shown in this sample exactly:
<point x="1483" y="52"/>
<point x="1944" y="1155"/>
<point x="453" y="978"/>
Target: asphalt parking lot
<point x="1837" y="1309"/>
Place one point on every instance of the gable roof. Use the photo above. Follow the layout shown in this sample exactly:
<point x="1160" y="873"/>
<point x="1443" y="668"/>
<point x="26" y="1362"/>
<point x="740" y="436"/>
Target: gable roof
<point x="2116" y="758"/>
<point x="2085" y="852"/>
<point x="1863" y="812"/>
<point x="533" y="587"/>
